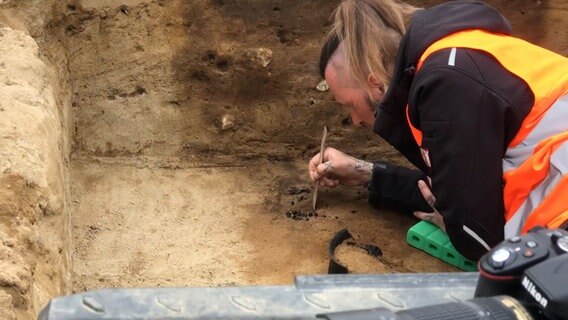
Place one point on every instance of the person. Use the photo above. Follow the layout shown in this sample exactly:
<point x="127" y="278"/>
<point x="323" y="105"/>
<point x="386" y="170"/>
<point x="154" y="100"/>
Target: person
<point x="481" y="114"/>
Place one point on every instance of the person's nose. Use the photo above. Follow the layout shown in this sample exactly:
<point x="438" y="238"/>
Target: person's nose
<point x="356" y="120"/>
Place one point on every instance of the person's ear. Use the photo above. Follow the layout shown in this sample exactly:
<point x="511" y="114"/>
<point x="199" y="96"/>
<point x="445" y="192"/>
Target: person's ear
<point x="375" y="82"/>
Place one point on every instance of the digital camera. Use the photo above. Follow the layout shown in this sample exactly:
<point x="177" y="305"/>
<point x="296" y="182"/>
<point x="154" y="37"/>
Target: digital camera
<point x="533" y="269"/>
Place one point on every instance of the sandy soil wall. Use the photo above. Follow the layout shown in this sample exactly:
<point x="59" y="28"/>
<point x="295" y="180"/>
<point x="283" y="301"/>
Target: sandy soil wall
<point x="35" y="253"/>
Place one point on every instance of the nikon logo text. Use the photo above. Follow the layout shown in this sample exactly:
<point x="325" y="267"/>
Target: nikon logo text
<point x="531" y="289"/>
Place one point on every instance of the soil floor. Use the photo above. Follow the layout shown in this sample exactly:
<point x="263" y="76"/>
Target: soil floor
<point x="218" y="226"/>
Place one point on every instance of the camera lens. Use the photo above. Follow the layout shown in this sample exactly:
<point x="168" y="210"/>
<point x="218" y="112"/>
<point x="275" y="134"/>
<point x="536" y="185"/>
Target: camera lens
<point x="492" y="308"/>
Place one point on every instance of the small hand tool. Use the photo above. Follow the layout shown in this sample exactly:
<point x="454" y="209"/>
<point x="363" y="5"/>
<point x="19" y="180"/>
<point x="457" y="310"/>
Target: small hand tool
<point x="322" y="148"/>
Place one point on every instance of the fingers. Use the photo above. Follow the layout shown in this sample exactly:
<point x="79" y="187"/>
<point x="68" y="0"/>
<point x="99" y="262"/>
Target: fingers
<point x="329" y="182"/>
<point x="427" y="193"/>
<point x="312" y="167"/>
<point x="314" y="174"/>
<point x="325" y="169"/>
<point x="426" y="216"/>
<point x="320" y="170"/>
<point x="324" y="173"/>
<point x="432" y="217"/>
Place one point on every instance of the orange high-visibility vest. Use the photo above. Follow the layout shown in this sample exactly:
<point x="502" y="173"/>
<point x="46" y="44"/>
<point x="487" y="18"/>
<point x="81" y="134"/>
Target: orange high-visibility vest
<point x="535" y="164"/>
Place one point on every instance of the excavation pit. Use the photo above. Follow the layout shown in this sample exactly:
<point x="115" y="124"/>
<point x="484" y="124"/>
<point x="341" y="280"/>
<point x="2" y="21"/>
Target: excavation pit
<point x="165" y="144"/>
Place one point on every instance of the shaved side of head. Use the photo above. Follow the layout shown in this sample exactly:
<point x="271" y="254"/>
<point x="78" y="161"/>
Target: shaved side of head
<point x="338" y="63"/>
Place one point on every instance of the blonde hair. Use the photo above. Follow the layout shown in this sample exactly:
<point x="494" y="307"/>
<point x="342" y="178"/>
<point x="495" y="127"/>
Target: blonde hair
<point x="370" y="31"/>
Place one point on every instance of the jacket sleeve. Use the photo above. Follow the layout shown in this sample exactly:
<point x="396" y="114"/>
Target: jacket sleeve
<point x="462" y="122"/>
<point x="396" y="188"/>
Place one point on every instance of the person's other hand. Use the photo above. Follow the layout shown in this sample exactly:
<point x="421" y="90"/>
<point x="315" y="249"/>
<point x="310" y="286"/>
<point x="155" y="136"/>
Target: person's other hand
<point x="432" y="217"/>
<point x="339" y="168"/>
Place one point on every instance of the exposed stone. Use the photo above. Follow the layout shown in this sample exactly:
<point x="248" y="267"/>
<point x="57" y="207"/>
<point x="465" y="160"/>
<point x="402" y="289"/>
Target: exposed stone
<point x="227" y="122"/>
<point x="322" y="86"/>
<point x="264" y="56"/>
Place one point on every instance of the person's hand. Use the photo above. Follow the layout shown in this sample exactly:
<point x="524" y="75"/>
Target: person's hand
<point x="339" y="168"/>
<point x="432" y="217"/>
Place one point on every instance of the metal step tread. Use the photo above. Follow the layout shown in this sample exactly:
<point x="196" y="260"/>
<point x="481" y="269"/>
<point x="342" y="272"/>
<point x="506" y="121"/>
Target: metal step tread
<point x="309" y="296"/>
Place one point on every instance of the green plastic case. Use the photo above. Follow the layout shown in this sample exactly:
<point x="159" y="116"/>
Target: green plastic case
<point x="431" y="239"/>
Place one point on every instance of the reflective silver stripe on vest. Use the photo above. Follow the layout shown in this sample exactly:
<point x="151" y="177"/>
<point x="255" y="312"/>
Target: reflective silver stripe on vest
<point x="452" y="58"/>
<point x="558" y="171"/>
<point x="476" y="237"/>
<point x="555" y="121"/>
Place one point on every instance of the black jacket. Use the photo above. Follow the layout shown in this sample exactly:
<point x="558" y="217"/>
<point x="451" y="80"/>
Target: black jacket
<point x="468" y="113"/>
